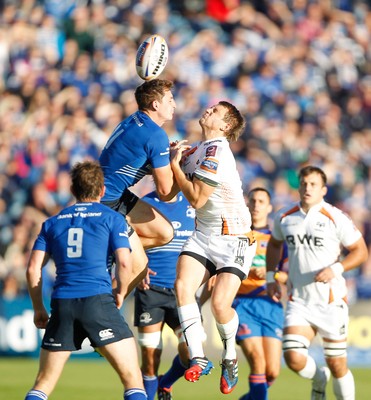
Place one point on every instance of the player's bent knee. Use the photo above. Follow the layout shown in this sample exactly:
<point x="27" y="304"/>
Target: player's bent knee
<point x="152" y="340"/>
<point x="297" y="343"/>
<point x="335" y="349"/>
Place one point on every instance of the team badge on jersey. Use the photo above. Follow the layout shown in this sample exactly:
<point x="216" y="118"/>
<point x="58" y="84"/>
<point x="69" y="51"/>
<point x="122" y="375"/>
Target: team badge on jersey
<point x="211" y="151"/>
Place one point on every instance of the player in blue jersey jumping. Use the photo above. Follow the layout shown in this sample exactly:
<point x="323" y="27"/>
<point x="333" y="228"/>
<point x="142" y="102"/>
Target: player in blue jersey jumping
<point x="80" y="240"/>
<point x="137" y="147"/>
<point x="155" y="302"/>
<point x="260" y="318"/>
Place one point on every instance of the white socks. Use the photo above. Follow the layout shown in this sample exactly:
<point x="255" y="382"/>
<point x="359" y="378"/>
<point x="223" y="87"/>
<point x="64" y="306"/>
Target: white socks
<point x="344" y="388"/>
<point x="227" y="333"/>
<point x="310" y="369"/>
<point x="190" y="321"/>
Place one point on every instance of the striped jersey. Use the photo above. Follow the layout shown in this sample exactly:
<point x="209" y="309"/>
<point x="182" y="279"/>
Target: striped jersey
<point x="136" y="146"/>
<point x="163" y="259"/>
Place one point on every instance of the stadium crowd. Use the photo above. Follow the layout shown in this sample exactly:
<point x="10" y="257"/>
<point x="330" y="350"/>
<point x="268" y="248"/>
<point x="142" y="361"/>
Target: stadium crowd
<point x="299" y="70"/>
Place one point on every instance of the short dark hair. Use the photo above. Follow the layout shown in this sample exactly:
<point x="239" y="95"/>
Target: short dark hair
<point x="259" y="189"/>
<point x="311" y="169"/>
<point x="235" y="119"/>
<point x="87" y="180"/>
<point x="150" y="91"/>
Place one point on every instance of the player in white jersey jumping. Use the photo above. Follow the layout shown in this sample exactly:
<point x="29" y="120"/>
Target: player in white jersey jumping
<point x="315" y="233"/>
<point x="222" y="243"/>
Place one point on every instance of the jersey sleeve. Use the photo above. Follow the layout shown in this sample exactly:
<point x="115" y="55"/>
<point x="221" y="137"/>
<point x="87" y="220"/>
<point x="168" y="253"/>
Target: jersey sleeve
<point x="41" y="242"/>
<point x="348" y="233"/>
<point x="119" y="233"/>
<point x="158" y="149"/>
<point x="276" y="230"/>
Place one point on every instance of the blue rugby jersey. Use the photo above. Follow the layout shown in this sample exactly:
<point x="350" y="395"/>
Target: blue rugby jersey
<point x="163" y="259"/>
<point x="79" y="239"/>
<point x="136" y="146"/>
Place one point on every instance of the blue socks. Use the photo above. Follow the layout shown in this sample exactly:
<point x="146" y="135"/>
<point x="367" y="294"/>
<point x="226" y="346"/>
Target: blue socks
<point x="34" y="394"/>
<point x="175" y="372"/>
<point x="150" y="386"/>
<point x="135" y="394"/>
<point x="258" y="387"/>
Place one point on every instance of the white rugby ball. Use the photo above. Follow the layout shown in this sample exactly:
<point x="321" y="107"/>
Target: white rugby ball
<point x="151" y="57"/>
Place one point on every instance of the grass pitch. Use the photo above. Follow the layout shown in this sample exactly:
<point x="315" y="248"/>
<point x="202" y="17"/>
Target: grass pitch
<point x="96" y="380"/>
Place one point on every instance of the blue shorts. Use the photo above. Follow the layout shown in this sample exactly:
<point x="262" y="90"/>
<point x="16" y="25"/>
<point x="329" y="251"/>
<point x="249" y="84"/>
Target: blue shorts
<point x="258" y="316"/>
<point x="72" y="320"/>
<point x="158" y="304"/>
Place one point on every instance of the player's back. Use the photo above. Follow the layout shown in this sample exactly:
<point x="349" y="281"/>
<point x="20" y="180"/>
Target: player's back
<point x="136" y="145"/>
<point x="80" y="239"/>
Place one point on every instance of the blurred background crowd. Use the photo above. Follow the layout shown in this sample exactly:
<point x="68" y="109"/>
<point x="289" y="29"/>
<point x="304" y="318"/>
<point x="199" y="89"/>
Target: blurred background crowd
<point x="299" y="70"/>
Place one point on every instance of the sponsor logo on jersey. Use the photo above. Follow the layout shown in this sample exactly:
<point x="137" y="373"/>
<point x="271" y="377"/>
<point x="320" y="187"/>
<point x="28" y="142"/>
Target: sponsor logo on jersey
<point x="309" y="240"/>
<point x="211" y="151"/>
<point x="176" y="224"/>
<point x="106" y="334"/>
<point x="191" y="212"/>
<point x="209" y="165"/>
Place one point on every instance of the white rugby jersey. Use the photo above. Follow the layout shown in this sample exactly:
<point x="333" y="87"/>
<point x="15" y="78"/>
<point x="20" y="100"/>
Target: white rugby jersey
<point x="314" y="241"/>
<point x="225" y="212"/>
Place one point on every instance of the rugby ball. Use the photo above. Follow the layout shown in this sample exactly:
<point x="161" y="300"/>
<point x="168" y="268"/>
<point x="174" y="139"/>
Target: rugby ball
<point x="151" y="57"/>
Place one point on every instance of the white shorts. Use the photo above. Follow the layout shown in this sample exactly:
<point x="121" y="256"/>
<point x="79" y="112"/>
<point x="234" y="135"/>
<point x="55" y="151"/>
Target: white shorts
<point x="221" y="253"/>
<point x="330" y="320"/>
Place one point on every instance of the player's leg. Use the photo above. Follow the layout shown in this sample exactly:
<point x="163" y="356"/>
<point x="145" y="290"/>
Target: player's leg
<point x="343" y="381"/>
<point x="295" y="344"/>
<point x="177" y="368"/>
<point x="123" y="357"/>
<point x="150" y="342"/>
<point x="50" y="368"/>
<point x="224" y="291"/>
<point x="139" y="262"/>
<point x="152" y="227"/>
<point x="334" y="337"/>
<point x="272" y="352"/>
<point x="272" y="330"/>
<point x="253" y="350"/>
<point x="191" y="273"/>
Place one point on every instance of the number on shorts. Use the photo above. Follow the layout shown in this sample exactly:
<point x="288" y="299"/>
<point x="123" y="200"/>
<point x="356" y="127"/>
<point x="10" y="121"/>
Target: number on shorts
<point x="74" y="241"/>
<point x="241" y="250"/>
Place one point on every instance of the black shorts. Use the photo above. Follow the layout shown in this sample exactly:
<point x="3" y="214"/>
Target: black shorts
<point x="154" y="305"/>
<point x="73" y="320"/>
<point x="124" y="205"/>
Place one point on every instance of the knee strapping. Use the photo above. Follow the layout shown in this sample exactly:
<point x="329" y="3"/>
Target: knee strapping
<point x="152" y="340"/>
<point x="296" y="343"/>
<point x="334" y="350"/>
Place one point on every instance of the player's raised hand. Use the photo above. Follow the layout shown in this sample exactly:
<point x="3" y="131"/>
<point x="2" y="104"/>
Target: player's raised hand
<point x="176" y="150"/>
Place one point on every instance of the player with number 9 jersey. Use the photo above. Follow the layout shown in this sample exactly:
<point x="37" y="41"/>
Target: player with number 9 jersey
<point x="80" y="239"/>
